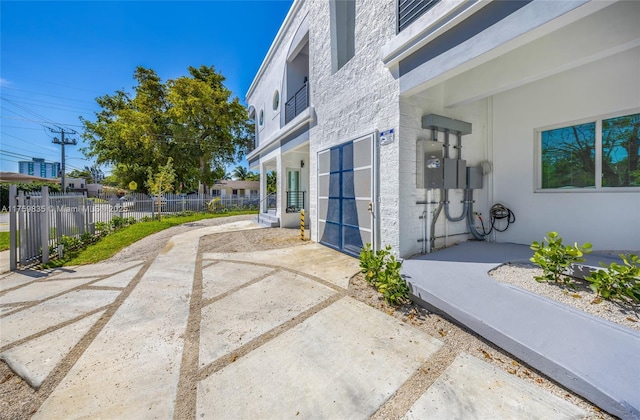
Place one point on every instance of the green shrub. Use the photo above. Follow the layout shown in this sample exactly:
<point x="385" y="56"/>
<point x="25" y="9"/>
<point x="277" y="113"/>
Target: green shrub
<point x="618" y="281"/>
<point x="371" y="263"/>
<point x="382" y="270"/>
<point x="70" y="243"/>
<point x="555" y="258"/>
<point x="118" y="222"/>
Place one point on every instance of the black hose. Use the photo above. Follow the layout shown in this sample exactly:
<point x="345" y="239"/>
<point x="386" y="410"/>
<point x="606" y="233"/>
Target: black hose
<point x="498" y="212"/>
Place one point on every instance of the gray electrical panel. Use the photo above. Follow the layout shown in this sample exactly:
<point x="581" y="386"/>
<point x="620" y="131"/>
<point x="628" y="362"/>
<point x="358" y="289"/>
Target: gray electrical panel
<point x="450" y="173"/>
<point x="461" y="183"/>
<point x="441" y="172"/>
<point x="474" y="177"/>
<point x="455" y="175"/>
<point x="433" y="165"/>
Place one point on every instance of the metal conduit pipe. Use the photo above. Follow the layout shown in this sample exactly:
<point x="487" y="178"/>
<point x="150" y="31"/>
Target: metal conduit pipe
<point x="446" y="209"/>
<point x="472" y="227"/>
<point x="436" y="214"/>
<point x="458" y="148"/>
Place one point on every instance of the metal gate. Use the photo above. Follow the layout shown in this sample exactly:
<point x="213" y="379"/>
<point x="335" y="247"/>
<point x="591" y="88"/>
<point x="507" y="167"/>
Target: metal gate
<point x="345" y="195"/>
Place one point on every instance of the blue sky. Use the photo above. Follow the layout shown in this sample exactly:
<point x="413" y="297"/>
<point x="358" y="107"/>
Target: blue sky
<point x="57" y="57"/>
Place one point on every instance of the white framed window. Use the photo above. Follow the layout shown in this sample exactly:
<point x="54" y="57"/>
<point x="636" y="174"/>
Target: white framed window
<point x="276" y="100"/>
<point x="597" y="153"/>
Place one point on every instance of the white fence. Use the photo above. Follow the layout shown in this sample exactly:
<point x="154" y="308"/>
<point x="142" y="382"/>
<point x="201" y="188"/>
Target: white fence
<point x="38" y="220"/>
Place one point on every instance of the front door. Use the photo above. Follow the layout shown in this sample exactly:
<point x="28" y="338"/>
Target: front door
<point x="293" y="190"/>
<point x="345" y="195"/>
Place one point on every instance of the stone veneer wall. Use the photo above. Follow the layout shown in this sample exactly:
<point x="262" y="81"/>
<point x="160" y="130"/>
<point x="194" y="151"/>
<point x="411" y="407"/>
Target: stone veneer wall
<point x="359" y="98"/>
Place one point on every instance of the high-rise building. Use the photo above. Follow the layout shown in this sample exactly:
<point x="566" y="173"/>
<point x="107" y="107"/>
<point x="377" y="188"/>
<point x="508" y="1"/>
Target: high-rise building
<point x="38" y="167"/>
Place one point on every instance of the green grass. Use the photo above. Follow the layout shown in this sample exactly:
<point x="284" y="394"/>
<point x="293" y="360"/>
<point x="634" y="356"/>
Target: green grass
<point x="4" y="241"/>
<point x="112" y="244"/>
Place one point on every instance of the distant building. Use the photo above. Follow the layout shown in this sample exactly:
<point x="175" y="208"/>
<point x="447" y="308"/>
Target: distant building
<point x="75" y="184"/>
<point x="38" y="167"/>
<point x="236" y="189"/>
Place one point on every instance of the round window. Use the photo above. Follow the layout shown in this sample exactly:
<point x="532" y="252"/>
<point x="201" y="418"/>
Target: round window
<point x="276" y="100"/>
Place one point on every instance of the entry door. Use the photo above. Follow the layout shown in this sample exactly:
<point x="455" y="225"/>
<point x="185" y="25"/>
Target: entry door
<point x="293" y="186"/>
<point x="345" y="195"/>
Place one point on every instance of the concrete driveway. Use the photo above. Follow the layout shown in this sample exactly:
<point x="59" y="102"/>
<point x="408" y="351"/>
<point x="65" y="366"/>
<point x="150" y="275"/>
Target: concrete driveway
<point x="267" y="334"/>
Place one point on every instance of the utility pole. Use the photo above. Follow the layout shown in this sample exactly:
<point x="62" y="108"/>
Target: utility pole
<point x="62" y="142"/>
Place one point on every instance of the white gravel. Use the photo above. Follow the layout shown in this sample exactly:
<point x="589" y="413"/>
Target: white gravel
<point x="583" y="298"/>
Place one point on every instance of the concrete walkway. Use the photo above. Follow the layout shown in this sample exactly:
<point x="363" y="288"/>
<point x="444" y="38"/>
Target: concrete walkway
<point x="269" y="334"/>
<point x="593" y="357"/>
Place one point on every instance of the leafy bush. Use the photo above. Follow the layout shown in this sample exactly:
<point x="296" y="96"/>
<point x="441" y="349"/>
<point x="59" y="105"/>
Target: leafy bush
<point x="215" y="205"/>
<point x="70" y="243"/>
<point x="26" y="187"/>
<point x="382" y="270"/>
<point x="618" y="281"/>
<point x="555" y="258"/>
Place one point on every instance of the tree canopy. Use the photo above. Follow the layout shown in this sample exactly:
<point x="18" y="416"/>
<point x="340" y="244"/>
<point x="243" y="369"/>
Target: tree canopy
<point x="192" y="119"/>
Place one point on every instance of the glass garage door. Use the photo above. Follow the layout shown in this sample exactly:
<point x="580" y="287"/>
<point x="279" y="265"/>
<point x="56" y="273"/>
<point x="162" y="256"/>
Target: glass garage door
<point x="345" y="195"/>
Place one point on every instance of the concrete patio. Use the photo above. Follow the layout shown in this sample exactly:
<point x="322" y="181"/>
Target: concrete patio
<point x="235" y="335"/>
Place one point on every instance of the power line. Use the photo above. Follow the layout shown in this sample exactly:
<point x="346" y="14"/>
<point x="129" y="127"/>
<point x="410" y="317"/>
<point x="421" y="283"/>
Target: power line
<point x="45" y="94"/>
<point x="40" y="122"/>
<point x="4" y="146"/>
<point x="57" y="105"/>
<point x="17" y="126"/>
<point x="24" y="109"/>
<point x="13" y="154"/>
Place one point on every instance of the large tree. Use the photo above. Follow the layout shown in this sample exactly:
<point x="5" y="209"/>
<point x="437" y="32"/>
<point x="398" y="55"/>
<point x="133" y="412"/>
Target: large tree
<point x="192" y="119"/>
<point x="240" y="173"/>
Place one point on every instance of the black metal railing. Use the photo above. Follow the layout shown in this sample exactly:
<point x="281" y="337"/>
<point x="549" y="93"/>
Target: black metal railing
<point x="297" y="103"/>
<point x="410" y="10"/>
<point x="271" y="201"/>
<point x="295" y="201"/>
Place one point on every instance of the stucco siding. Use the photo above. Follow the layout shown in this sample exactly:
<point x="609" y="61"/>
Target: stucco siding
<point x="607" y="218"/>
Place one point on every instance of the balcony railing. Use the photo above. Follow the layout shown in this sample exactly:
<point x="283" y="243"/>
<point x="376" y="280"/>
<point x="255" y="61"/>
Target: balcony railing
<point x="410" y="10"/>
<point x="297" y="103"/>
<point x="295" y="201"/>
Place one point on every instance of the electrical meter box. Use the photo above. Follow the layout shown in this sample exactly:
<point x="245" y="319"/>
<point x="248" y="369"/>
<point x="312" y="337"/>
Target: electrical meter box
<point x="433" y="165"/>
<point x="441" y="172"/>
<point x="474" y="177"/>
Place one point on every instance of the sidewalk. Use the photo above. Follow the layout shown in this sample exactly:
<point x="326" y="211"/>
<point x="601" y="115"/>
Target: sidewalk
<point x="4" y="262"/>
<point x="593" y="357"/>
<point x="267" y="334"/>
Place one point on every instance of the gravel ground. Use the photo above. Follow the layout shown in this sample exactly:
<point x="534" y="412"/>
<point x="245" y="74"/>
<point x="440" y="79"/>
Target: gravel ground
<point x="581" y="298"/>
<point x="18" y="400"/>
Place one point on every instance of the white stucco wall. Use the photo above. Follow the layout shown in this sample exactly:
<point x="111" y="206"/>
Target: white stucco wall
<point x="271" y="79"/>
<point x="609" y="219"/>
<point x="359" y="98"/>
<point x="474" y="150"/>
